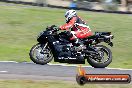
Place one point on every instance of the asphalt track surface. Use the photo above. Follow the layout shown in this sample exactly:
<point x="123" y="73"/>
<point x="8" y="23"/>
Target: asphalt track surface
<point x="13" y="70"/>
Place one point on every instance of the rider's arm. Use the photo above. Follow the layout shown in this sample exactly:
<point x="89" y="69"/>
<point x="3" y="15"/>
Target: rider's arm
<point x="68" y="25"/>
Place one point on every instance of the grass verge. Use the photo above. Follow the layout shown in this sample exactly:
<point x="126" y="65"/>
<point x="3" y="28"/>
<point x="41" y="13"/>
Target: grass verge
<point x="55" y="84"/>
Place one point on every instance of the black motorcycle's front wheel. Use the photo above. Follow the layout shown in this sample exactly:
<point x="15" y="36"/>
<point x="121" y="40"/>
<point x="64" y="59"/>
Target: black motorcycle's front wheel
<point x="102" y="59"/>
<point x="41" y="54"/>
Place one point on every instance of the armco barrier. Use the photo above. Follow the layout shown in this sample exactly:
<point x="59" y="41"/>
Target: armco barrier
<point x="53" y="6"/>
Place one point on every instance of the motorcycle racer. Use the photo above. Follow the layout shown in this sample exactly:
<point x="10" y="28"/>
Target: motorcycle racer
<point x="79" y="29"/>
<point x="52" y="44"/>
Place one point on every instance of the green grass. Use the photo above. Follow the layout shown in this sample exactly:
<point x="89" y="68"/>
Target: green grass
<point x="20" y="25"/>
<point x="55" y="84"/>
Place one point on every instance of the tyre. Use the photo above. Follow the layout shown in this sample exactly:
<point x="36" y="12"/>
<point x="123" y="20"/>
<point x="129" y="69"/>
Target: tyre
<point x="41" y="54"/>
<point x="103" y="59"/>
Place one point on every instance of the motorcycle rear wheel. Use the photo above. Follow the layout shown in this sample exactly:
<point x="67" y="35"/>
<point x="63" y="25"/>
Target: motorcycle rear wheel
<point x="41" y="54"/>
<point x="103" y="63"/>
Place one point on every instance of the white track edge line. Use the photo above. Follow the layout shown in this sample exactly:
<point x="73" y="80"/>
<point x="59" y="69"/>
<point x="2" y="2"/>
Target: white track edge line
<point x="66" y="65"/>
<point x="3" y="71"/>
<point x="9" y="62"/>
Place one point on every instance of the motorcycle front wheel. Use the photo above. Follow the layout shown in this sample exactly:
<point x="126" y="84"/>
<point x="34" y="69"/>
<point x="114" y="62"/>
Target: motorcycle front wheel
<point x="41" y="54"/>
<point x="103" y="59"/>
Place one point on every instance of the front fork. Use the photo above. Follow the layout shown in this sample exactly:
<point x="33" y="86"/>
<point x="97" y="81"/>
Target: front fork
<point x="43" y="46"/>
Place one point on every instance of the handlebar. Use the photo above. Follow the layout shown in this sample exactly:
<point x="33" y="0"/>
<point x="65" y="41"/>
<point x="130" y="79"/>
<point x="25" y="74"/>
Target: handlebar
<point x="53" y="28"/>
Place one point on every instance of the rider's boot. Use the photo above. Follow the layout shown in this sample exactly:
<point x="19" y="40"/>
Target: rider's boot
<point x="79" y="44"/>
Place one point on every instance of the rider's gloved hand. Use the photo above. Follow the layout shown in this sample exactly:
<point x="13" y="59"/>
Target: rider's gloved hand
<point x="59" y="28"/>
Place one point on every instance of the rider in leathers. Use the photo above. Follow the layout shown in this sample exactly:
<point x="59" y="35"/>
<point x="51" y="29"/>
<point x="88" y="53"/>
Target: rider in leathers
<point x="79" y="29"/>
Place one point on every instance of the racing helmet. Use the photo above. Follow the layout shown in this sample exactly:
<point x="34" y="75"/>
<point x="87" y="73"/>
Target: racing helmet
<point x="69" y="14"/>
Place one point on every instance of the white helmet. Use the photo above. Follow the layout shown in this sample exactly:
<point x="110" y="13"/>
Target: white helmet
<point x="69" y="14"/>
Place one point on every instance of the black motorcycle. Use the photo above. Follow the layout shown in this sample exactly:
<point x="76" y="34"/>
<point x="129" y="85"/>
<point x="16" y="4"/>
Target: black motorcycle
<point x="57" y="45"/>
